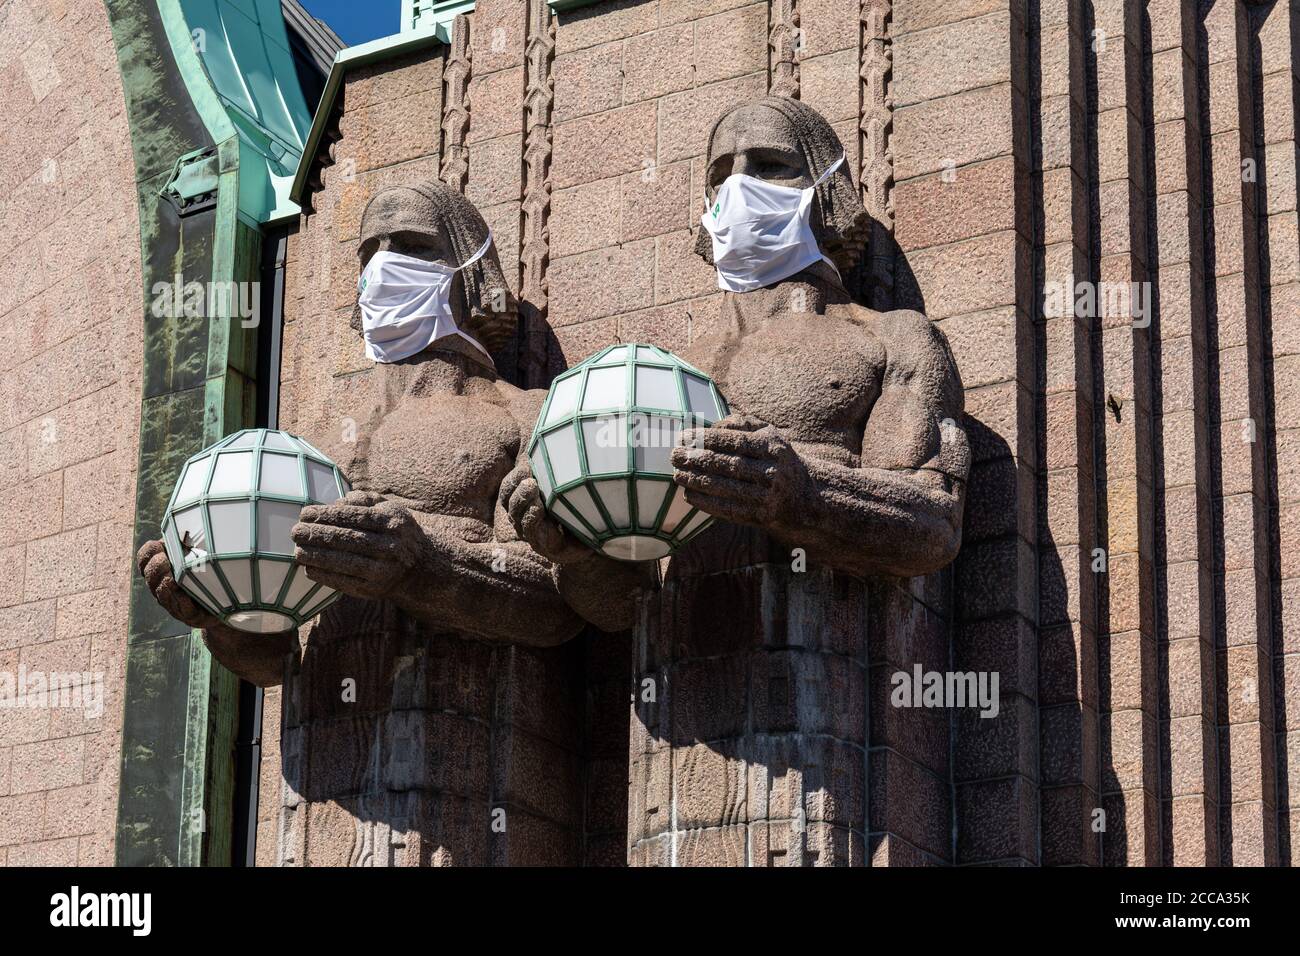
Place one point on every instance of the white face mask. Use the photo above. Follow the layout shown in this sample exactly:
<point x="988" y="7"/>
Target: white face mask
<point x="761" y="231"/>
<point x="406" y="304"/>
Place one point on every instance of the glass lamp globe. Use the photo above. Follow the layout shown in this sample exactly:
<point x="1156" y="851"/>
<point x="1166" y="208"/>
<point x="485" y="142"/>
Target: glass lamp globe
<point x="226" y="528"/>
<point x="599" y="451"/>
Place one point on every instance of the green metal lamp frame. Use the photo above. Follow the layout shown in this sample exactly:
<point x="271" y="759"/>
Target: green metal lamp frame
<point x="308" y="606"/>
<point x="688" y="527"/>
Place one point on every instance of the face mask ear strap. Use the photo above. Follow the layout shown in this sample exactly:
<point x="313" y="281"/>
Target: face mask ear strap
<point x="827" y="175"/>
<point x="482" y="251"/>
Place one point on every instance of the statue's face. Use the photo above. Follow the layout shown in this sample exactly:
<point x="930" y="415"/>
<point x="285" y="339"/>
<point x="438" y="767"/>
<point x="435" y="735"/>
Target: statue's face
<point x="398" y="220"/>
<point x="757" y="141"/>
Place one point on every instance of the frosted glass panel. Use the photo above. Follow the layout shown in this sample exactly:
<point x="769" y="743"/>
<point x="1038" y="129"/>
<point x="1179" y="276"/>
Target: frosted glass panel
<point x="231" y="528"/>
<point x="196" y="475"/>
<point x="260" y="622"/>
<point x="613" y="494"/>
<point x="193" y="591"/>
<point x="274" y="520"/>
<point x="654" y="438"/>
<point x="540" y="474"/>
<point x="606" y="388"/>
<point x="174" y="553"/>
<point x="657" y="388"/>
<point x="321" y="485"/>
<point x="605" y="440"/>
<point x="239" y="575"/>
<point x="617" y="354"/>
<point x="207" y="576"/>
<point x="321" y="597"/>
<point x="700" y="397"/>
<point x="233" y="474"/>
<point x="580" y="500"/>
<point x="676" y="511"/>
<point x="562" y="449"/>
<point x="189" y="530"/>
<point x="277" y="440"/>
<point x="245" y="440"/>
<point x="280" y="475"/>
<point x="298" y="588"/>
<point x="270" y="576"/>
<point x="564" y="398"/>
<point x="697" y="519"/>
<point x="649" y="498"/>
<point x="566" y="516"/>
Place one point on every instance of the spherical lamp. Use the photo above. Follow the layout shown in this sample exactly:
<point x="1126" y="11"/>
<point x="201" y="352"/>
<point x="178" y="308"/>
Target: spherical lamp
<point x="226" y="528"/>
<point x="600" y="449"/>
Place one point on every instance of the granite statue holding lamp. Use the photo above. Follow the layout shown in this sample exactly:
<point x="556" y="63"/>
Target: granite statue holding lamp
<point x="844" y="461"/>
<point x="841" y="458"/>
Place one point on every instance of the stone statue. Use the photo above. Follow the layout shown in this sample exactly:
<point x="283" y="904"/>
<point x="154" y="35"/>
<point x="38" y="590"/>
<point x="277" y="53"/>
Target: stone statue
<point x="425" y="551"/>
<point x="845" y="457"/>
<point x="434" y="471"/>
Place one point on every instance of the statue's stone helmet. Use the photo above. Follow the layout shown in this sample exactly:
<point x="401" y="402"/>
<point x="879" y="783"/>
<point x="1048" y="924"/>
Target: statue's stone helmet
<point x="790" y="143"/>
<point x="430" y="220"/>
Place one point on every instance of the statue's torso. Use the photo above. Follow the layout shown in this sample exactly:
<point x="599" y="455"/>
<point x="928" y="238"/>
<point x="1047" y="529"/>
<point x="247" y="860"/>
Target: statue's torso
<point x="814" y="377"/>
<point x="444" y="453"/>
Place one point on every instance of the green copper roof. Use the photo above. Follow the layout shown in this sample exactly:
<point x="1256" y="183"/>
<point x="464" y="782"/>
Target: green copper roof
<point x="244" y="51"/>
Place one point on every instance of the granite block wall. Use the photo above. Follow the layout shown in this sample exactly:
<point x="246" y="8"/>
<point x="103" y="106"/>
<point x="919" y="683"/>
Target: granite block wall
<point x="70" y="374"/>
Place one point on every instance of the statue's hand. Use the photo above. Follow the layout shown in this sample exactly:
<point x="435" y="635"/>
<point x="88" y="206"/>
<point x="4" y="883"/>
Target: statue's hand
<point x="156" y="569"/>
<point x="740" y="469"/>
<point x="362" y="545"/>
<point x="522" y="500"/>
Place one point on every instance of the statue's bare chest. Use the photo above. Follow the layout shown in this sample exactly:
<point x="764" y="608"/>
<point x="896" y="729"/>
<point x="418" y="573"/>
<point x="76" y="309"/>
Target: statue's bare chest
<point x="448" y="452"/>
<point x="812" y="376"/>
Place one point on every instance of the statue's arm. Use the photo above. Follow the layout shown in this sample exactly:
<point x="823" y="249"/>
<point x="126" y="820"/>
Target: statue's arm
<point x="257" y="658"/>
<point x="897" y="510"/>
<point x="440" y="573"/>
<point x="601" y="590"/>
<point x="498" y="589"/>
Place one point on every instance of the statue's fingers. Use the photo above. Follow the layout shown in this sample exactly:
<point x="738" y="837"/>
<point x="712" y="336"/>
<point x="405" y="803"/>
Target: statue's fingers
<point x="342" y="515"/>
<point x="527" y="496"/>
<point x="724" y="508"/>
<point x="738" y="421"/>
<point x="340" y="582"/>
<point x="157" y="570"/>
<point x="754" y="470"/>
<point x="363" y="499"/>
<point x="371" y="543"/>
<point x="728" y="442"/>
<point x="717" y="486"/>
<point x="341" y="562"/>
<point x="147" y="554"/>
<point x="512" y="481"/>
<point x="533" y="521"/>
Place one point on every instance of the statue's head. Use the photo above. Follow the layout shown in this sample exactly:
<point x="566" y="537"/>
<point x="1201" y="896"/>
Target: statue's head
<point x="430" y="220"/>
<point x="789" y="143"/>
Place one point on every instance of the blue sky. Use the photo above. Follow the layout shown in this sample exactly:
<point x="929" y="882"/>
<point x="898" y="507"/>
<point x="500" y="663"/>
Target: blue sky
<point x="357" y="21"/>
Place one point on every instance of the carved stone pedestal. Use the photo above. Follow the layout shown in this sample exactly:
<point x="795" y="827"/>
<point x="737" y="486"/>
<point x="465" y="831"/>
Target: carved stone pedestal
<point x="407" y="748"/>
<point x="749" y="726"/>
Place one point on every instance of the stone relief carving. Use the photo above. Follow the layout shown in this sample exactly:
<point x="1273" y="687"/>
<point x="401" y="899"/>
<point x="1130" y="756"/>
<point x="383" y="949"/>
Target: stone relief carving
<point x="784" y="42"/>
<point x="535" y="254"/>
<point x="455" y="110"/>
<point x="876" y="128"/>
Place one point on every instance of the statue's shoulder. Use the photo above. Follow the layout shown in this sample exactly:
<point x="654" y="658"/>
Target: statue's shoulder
<point x="913" y="344"/>
<point x="524" y="404"/>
